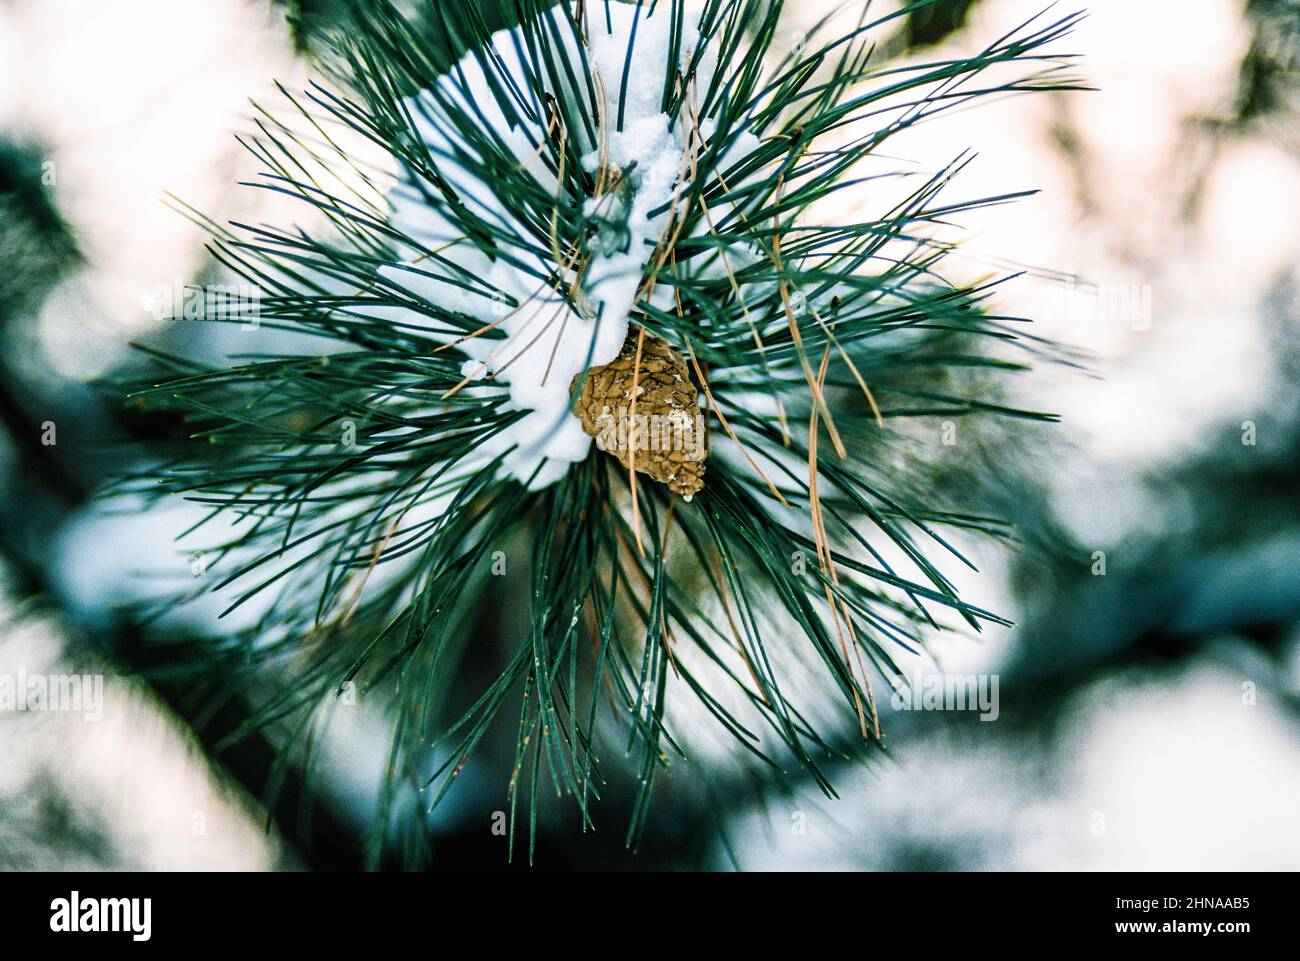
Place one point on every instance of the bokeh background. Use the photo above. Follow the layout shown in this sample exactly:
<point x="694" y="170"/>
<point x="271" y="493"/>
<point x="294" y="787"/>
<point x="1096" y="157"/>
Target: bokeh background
<point x="1150" y="691"/>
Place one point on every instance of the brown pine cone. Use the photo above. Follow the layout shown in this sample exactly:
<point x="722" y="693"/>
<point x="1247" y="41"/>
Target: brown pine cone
<point x="668" y="432"/>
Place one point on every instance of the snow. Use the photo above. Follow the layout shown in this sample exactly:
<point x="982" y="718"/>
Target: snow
<point x="546" y="341"/>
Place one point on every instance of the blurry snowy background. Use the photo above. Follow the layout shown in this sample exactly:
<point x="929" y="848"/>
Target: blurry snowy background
<point x="1148" y="714"/>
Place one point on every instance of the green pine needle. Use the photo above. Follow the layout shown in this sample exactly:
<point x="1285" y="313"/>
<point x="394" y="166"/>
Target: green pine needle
<point x="601" y="663"/>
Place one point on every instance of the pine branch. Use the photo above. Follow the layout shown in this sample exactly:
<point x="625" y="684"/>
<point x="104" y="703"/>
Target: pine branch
<point x="810" y="344"/>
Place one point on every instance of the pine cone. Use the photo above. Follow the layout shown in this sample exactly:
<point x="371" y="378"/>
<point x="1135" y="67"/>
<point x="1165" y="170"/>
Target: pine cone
<point x="667" y="434"/>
